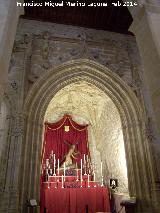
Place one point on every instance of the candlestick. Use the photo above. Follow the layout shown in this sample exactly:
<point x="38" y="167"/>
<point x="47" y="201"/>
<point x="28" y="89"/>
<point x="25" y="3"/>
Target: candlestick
<point x="46" y="175"/>
<point x="88" y="181"/>
<point x="54" y="167"/>
<point x="64" y="170"/>
<point x="87" y="164"/>
<point x="102" y="182"/>
<point x="84" y="165"/>
<point x="85" y="170"/>
<point x="58" y="166"/>
<point x="81" y="169"/>
<point x="47" y="163"/>
<point x="62" y="182"/>
<point x="77" y="174"/>
<point x="48" y="186"/>
<point x="46" y="171"/>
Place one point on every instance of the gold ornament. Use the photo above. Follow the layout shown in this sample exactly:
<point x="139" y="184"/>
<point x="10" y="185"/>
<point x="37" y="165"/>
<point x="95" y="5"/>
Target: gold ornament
<point x="66" y="128"/>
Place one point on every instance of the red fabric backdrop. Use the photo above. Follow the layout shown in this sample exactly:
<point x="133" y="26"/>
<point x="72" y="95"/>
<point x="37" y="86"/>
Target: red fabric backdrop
<point x="55" y="137"/>
<point x="69" y="200"/>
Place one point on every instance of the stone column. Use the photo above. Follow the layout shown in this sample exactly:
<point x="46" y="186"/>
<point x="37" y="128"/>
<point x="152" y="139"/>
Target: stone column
<point x="9" y="15"/>
<point x="9" y="196"/>
<point x="9" y="201"/>
<point x="146" y="27"/>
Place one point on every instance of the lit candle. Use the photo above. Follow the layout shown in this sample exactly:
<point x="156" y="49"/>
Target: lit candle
<point x="101" y="168"/>
<point x="58" y="167"/>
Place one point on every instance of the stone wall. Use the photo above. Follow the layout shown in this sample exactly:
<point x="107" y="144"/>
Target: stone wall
<point x="48" y="45"/>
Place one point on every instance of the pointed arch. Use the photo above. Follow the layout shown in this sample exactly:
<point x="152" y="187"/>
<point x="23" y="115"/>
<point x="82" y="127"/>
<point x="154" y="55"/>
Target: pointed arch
<point x="139" y="162"/>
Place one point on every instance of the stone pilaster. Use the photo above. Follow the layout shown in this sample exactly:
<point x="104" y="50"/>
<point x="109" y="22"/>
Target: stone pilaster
<point x="147" y="30"/>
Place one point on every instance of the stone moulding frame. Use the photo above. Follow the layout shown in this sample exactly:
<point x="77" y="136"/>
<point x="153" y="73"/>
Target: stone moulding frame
<point x="138" y="154"/>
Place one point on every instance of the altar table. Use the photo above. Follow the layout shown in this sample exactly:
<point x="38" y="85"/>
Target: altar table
<point x="75" y="200"/>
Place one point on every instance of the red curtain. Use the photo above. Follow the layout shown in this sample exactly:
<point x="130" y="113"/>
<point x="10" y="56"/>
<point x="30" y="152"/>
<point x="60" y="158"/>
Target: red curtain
<point x="58" y="139"/>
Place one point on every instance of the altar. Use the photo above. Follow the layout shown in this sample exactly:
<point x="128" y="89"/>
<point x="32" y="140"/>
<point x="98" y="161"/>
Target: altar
<point x="68" y="183"/>
<point x="76" y="200"/>
<point x="74" y="196"/>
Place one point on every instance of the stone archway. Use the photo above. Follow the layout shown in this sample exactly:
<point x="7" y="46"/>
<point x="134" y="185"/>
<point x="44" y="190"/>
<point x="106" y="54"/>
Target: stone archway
<point x="139" y="162"/>
<point x="87" y="104"/>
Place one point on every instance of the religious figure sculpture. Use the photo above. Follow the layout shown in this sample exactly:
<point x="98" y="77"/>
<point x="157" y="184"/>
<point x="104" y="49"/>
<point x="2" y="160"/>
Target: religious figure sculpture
<point x="69" y="158"/>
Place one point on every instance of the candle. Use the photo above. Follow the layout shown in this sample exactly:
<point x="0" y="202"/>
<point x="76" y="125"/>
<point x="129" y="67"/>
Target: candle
<point x="81" y="169"/>
<point x="58" y="167"/>
<point x="54" y="164"/>
<point x="62" y="182"/>
<point x="54" y="167"/>
<point x="64" y="170"/>
<point x="94" y="178"/>
<point x="102" y="182"/>
<point x="101" y="168"/>
<point x="46" y="171"/>
<point x="47" y="162"/>
<point x="54" y="158"/>
<point x="77" y="174"/>
<point x="88" y="181"/>
<point x="85" y="165"/>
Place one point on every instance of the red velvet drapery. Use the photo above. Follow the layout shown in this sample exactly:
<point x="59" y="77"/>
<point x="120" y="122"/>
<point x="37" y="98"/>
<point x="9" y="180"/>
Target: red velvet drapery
<point x="59" y="140"/>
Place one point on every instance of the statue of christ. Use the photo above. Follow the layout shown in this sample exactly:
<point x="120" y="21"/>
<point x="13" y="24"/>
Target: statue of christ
<point x="68" y="160"/>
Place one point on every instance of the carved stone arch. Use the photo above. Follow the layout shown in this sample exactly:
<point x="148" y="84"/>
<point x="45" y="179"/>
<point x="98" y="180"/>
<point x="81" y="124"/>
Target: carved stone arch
<point x="138" y="157"/>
